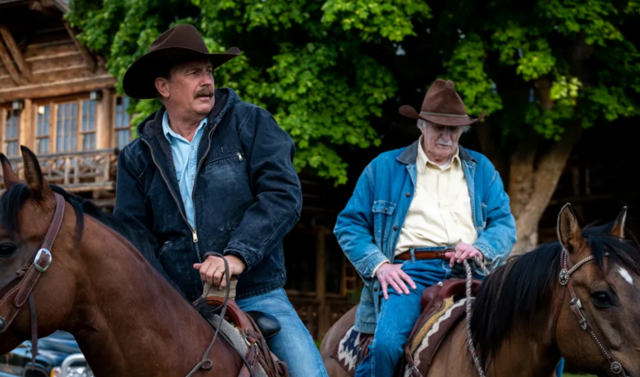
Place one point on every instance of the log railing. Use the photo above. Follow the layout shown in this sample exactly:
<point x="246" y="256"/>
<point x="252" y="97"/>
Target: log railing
<point x="76" y="172"/>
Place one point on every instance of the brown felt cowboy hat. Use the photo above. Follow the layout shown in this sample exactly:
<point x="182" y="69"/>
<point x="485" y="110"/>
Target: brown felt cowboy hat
<point x="442" y="105"/>
<point x="180" y="43"/>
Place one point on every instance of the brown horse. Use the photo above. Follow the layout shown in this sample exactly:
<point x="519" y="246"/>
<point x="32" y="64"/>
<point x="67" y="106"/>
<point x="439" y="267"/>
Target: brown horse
<point x="127" y="319"/>
<point x="523" y="322"/>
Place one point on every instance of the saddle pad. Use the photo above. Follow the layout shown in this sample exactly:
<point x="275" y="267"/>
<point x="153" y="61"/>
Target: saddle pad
<point x="351" y="349"/>
<point x="428" y="339"/>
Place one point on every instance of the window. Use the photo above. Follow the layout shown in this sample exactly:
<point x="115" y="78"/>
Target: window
<point x="88" y="125"/>
<point x="43" y="129"/>
<point x="11" y="127"/>
<point x="123" y="122"/>
<point x="67" y="127"/>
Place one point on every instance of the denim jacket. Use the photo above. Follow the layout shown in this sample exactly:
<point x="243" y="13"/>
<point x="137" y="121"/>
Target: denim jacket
<point x="246" y="197"/>
<point x="369" y="226"/>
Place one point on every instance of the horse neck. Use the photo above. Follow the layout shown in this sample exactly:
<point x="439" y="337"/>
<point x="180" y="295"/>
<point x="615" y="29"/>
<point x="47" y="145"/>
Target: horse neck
<point x="531" y="350"/>
<point x="126" y="318"/>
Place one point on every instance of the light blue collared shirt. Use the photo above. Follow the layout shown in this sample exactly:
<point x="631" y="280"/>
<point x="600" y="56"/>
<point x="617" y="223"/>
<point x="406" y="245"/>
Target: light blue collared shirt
<point x="185" y="160"/>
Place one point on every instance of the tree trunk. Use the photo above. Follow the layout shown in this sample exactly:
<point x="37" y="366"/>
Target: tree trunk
<point x="531" y="187"/>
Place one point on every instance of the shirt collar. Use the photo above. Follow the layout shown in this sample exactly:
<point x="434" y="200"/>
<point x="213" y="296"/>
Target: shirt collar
<point x="423" y="159"/>
<point x="169" y="133"/>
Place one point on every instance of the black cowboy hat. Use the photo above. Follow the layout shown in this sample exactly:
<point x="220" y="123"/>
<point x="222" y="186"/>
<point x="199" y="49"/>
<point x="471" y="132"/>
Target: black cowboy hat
<point x="442" y="105"/>
<point x="180" y="43"/>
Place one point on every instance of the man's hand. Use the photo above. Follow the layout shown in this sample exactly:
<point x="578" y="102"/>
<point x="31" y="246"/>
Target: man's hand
<point x="212" y="270"/>
<point x="463" y="252"/>
<point x="392" y="275"/>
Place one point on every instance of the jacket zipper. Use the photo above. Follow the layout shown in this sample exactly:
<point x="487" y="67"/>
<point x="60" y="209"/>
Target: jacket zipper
<point x="153" y="157"/>
<point x="195" y="179"/>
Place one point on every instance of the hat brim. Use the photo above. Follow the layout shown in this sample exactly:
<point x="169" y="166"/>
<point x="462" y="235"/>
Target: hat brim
<point x="443" y="120"/>
<point x="139" y="80"/>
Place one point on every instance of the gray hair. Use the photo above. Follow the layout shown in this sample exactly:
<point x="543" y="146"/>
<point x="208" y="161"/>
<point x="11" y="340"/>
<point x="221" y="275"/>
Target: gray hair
<point x="422" y="125"/>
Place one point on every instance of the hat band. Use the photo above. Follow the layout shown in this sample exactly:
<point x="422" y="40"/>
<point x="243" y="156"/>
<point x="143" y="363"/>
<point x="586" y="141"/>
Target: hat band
<point x="445" y="115"/>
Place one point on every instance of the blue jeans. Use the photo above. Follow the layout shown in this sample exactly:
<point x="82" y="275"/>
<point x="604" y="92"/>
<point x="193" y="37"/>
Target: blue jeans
<point x="397" y="317"/>
<point x="293" y="344"/>
<point x="560" y="368"/>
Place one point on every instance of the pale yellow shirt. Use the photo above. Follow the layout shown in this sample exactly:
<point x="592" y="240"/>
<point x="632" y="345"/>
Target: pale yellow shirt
<point x="440" y="212"/>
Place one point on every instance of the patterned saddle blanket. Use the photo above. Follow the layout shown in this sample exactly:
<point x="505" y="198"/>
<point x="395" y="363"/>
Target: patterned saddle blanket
<point x="443" y="307"/>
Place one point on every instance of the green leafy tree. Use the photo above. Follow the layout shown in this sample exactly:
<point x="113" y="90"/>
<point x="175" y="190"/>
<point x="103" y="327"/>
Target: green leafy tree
<point x="544" y="70"/>
<point x="303" y="60"/>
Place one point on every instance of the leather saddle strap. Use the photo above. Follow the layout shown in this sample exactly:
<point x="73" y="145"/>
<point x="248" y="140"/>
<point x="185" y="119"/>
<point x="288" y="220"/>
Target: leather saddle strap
<point x="251" y="358"/>
<point x="15" y="299"/>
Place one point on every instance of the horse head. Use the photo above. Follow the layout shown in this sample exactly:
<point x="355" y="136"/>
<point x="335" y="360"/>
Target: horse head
<point x="598" y="324"/>
<point x="26" y="213"/>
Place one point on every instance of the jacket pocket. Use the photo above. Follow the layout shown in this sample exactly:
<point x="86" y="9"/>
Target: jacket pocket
<point x="382" y="211"/>
<point x="225" y="157"/>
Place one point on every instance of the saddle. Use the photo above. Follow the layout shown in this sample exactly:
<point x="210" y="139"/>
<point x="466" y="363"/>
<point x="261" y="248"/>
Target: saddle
<point x="442" y="308"/>
<point x="254" y="328"/>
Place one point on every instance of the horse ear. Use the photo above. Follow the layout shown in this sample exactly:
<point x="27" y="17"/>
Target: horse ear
<point x="568" y="228"/>
<point x="38" y="186"/>
<point x="9" y="176"/>
<point x="617" y="229"/>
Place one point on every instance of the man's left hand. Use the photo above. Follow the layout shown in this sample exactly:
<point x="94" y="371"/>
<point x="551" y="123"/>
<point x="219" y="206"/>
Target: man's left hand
<point x="463" y="252"/>
<point x="212" y="270"/>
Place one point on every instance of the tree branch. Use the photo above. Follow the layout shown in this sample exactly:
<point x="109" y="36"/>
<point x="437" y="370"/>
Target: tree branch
<point x="547" y="174"/>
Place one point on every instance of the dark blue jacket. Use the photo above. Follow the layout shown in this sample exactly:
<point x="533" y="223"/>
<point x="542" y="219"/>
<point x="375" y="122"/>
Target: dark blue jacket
<point x="246" y="196"/>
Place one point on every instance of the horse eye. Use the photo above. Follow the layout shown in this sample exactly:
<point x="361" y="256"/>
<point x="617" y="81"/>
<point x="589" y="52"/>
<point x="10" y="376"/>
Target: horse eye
<point x="602" y="299"/>
<point x="7" y="250"/>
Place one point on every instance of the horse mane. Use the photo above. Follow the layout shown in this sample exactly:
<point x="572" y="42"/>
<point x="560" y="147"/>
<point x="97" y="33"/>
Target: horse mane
<point x="516" y="293"/>
<point x="13" y="200"/>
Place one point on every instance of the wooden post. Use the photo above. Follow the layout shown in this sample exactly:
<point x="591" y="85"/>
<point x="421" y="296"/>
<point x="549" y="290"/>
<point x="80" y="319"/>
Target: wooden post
<point x="104" y="120"/>
<point x="53" y="129"/>
<point x="25" y="126"/>
<point x="3" y="119"/>
<point x="321" y="282"/>
<point x="15" y="51"/>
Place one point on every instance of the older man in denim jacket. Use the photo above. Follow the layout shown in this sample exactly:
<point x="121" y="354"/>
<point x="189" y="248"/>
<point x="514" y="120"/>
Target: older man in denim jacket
<point x="416" y="212"/>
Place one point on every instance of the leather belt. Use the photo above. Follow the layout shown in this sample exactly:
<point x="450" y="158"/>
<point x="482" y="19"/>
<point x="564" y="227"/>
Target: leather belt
<point x="423" y="255"/>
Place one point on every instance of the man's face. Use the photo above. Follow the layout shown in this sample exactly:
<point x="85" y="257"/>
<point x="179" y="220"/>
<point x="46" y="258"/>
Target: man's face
<point x="440" y="142"/>
<point x="189" y="89"/>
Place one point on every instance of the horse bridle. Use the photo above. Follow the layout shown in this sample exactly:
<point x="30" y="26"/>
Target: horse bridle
<point x="29" y="275"/>
<point x="576" y="307"/>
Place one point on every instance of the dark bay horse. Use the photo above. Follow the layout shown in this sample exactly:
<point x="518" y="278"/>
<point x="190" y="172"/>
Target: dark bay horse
<point x="523" y="322"/>
<point x="128" y="320"/>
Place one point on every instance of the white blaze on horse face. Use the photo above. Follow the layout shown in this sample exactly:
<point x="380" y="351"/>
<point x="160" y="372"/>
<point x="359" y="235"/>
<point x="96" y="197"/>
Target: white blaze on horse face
<point x="625" y="275"/>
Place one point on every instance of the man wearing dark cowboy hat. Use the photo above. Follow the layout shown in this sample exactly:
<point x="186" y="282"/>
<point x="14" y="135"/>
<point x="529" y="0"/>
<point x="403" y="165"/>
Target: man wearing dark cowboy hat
<point x="414" y="214"/>
<point x="210" y="173"/>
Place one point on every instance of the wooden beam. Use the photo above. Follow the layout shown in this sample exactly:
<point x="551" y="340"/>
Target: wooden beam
<point x="58" y="88"/>
<point x="91" y="63"/>
<point x="8" y="64"/>
<point x="15" y="51"/>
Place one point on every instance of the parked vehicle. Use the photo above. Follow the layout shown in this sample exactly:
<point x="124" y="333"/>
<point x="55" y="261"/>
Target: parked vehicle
<point x="58" y="356"/>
